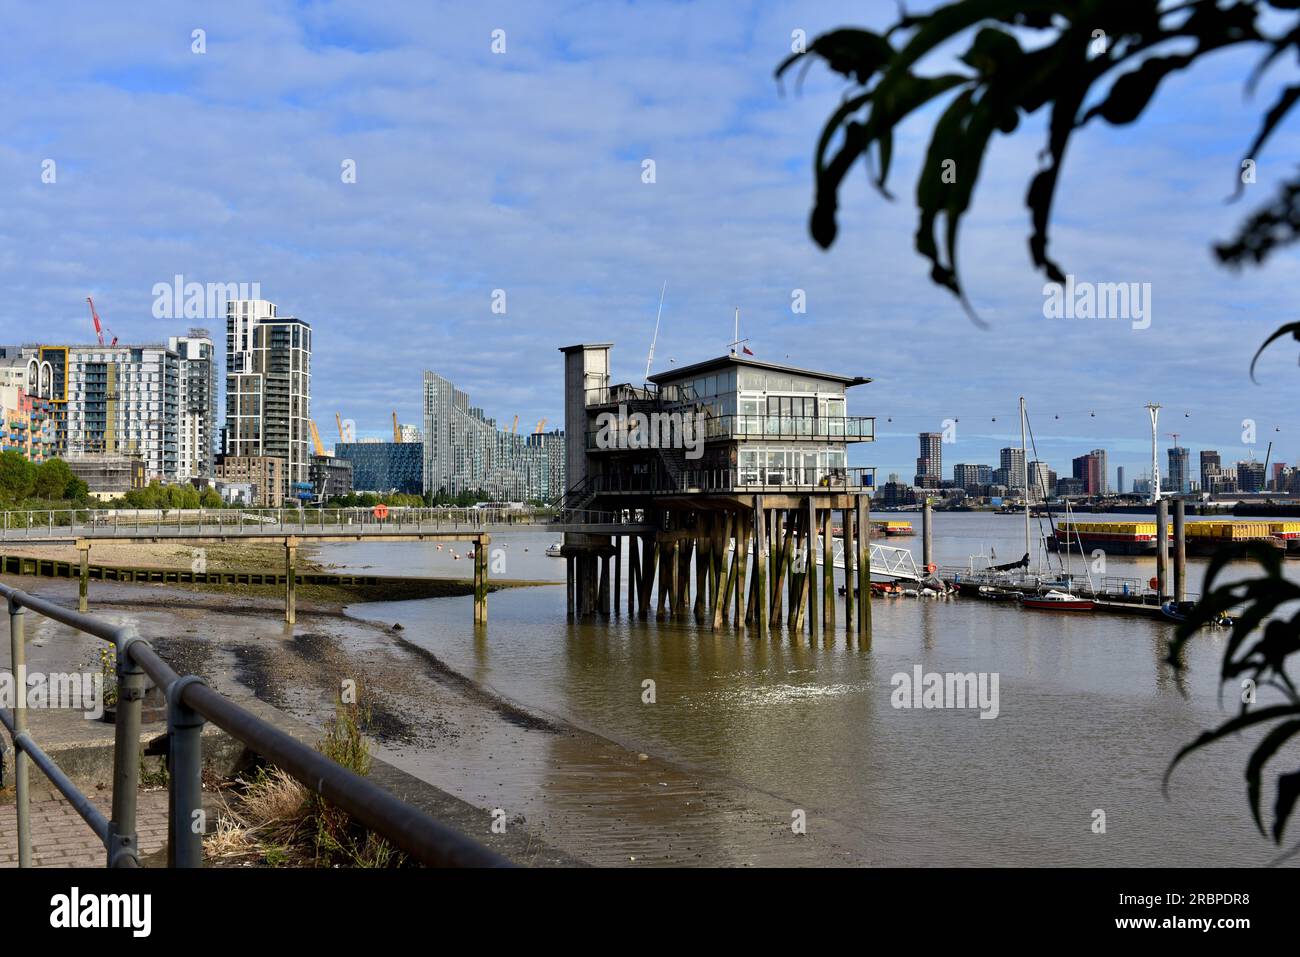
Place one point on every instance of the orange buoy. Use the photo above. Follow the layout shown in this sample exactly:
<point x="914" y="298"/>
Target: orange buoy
<point x="381" y="511"/>
<point x="1154" y="583"/>
<point x="932" y="568"/>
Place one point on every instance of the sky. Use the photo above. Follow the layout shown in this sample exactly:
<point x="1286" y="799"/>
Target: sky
<point x="522" y="172"/>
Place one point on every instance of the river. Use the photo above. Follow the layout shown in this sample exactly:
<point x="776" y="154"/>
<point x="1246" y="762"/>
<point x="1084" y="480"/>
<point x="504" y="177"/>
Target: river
<point x="1088" y="717"/>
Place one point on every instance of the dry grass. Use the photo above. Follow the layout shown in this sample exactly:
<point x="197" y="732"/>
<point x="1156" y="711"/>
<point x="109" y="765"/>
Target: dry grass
<point x="272" y="820"/>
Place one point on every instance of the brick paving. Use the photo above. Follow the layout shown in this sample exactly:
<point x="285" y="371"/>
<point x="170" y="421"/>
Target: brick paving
<point x="60" y="838"/>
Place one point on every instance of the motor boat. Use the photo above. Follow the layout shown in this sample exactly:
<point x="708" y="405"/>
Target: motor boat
<point x="1055" y="600"/>
<point x="994" y="593"/>
<point x="554" y="550"/>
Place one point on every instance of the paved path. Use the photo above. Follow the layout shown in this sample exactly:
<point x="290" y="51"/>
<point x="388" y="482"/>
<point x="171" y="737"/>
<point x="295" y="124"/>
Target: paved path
<point x="60" y="838"/>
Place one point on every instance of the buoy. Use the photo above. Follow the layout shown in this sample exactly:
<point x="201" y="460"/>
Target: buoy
<point x="1154" y="583"/>
<point x="932" y="568"/>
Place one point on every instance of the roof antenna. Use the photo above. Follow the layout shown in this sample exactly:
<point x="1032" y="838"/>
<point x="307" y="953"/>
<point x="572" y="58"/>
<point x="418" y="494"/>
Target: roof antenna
<point x="651" y="357"/>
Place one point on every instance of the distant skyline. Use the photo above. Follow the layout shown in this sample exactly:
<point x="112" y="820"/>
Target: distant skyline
<point x="523" y="172"/>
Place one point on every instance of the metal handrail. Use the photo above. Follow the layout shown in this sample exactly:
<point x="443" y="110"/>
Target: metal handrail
<point x="188" y="522"/>
<point x="189" y="703"/>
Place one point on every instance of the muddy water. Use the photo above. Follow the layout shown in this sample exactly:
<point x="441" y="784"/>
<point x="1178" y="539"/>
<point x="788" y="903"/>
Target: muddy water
<point x="745" y="732"/>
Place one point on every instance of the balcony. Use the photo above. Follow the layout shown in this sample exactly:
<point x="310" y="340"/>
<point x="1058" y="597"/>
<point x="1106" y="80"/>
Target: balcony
<point x="740" y="428"/>
<point x="736" y="480"/>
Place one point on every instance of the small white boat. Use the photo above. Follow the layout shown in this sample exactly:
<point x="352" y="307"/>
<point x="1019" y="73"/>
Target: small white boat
<point x="1055" y="600"/>
<point x="553" y="550"/>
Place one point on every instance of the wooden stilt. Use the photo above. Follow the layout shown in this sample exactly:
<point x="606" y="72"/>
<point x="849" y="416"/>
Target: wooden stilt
<point x="863" y="508"/>
<point x="810" y="564"/>
<point x="781" y="562"/>
<point x="847" y="518"/>
<point x="828" y="573"/>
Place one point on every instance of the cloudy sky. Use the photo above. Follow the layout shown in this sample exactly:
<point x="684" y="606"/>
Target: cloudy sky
<point x="522" y="171"/>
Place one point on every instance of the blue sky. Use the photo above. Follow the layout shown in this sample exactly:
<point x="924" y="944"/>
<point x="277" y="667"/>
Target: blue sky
<point x="522" y="171"/>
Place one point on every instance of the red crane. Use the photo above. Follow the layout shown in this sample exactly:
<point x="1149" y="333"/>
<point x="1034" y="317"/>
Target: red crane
<point x="99" y="327"/>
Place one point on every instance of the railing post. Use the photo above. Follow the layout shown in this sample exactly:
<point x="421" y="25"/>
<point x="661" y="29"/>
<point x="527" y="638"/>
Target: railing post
<point x="186" y="822"/>
<point x="18" y="662"/>
<point x="123" y="850"/>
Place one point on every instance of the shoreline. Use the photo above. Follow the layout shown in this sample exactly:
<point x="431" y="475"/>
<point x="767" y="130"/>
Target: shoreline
<point x="592" y="797"/>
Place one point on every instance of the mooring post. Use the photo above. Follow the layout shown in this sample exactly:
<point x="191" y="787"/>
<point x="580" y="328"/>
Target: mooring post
<point x="863" y="508"/>
<point x="290" y="579"/>
<point x="18" y="665"/>
<point x="603" y="587"/>
<point x="83" y="588"/>
<point x="1162" y="549"/>
<point x="1180" y="550"/>
<point x="480" y="578"/>
<point x="927" y="535"/>
<point x="741" y="560"/>
<point x="760" y="566"/>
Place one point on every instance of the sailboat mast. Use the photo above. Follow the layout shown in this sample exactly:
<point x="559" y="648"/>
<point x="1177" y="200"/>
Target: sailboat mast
<point x="649" y="360"/>
<point x="1024" y="452"/>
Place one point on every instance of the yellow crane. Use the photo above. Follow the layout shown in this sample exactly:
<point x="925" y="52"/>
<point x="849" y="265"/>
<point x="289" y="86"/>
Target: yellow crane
<point x="315" y="437"/>
<point x="540" y="425"/>
<point x="514" y="429"/>
<point x="338" y="420"/>
<point x="397" y="429"/>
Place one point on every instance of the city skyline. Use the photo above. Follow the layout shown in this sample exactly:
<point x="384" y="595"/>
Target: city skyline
<point x="414" y="251"/>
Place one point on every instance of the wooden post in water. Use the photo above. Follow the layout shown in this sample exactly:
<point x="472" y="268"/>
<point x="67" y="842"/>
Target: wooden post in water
<point x="602" y="589"/>
<point x="760" y="565"/>
<point x="847" y="518"/>
<point x="741" y="560"/>
<point x="1162" y="549"/>
<point x="810" y="565"/>
<point x="570" y="604"/>
<point x="725" y="578"/>
<point x="780" y="560"/>
<point x="633" y="573"/>
<point x="618" y="571"/>
<point x="83" y="588"/>
<point x="703" y="557"/>
<point x="927" y="535"/>
<point x="828" y="572"/>
<point x="1180" y="550"/>
<point x="863" y="508"/>
<point x="480" y="579"/>
<point x="290" y="579"/>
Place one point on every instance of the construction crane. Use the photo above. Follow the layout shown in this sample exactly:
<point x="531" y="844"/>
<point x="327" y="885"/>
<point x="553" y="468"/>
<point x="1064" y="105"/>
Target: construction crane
<point x="397" y="430"/>
<point x="338" y="420"/>
<point x="315" y="437"/>
<point x="540" y="425"/>
<point x="99" y="327"/>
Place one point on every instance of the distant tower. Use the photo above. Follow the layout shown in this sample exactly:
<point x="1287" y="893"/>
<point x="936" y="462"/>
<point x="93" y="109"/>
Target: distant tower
<point x="1119" y="479"/>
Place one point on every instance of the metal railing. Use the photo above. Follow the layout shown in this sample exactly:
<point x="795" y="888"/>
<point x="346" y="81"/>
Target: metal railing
<point x="184" y="522"/>
<point x="654" y="481"/>
<point x="190" y="702"/>
<point x="632" y="435"/>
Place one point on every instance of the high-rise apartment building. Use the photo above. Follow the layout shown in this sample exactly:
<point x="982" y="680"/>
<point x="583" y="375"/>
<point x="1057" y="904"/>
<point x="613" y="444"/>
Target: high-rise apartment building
<point x="1119" y="480"/>
<point x="268" y="389"/>
<point x="971" y="476"/>
<point x="1091" y="470"/>
<point x="1042" y="481"/>
<point x="197" y="403"/>
<point x="464" y="451"/>
<point x="1211" y="465"/>
<point x="1012" y="465"/>
<point x="124" y="400"/>
<point x="929" y="463"/>
<point x="1180" y="466"/>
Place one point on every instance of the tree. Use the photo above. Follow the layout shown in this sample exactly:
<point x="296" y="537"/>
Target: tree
<point x="52" y="479"/>
<point x="1113" y="54"/>
<point x="17" y="476"/>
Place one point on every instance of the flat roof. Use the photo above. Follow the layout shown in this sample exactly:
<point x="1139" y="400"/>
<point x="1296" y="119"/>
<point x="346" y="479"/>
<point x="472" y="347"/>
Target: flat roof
<point x="735" y="360"/>
<point x="587" y="345"/>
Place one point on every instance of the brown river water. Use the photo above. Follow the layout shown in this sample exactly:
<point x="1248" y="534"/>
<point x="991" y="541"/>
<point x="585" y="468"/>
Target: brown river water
<point x="748" y="734"/>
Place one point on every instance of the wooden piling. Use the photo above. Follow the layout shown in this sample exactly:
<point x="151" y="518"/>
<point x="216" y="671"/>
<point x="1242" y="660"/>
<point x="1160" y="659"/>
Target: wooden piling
<point x="83" y="586"/>
<point x="290" y="579"/>
<point x="1162" y="549"/>
<point x="863" y="508"/>
<point x="1180" y="550"/>
<point x="810" y="565"/>
<point x="847" y="518"/>
<point x="760" y="565"/>
<point x="828" y="572"/>
<point x="480" y="579"/>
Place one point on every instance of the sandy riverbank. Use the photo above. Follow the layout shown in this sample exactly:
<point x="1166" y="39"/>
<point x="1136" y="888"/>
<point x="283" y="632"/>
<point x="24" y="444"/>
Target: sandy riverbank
<point x="584" y="794"/>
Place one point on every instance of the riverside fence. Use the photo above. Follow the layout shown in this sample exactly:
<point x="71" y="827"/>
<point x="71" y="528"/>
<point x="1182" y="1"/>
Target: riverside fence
<point x="191" y="703"/>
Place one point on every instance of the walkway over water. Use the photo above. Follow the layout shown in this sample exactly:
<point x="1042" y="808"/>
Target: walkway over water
<point x="323" y="524"/>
